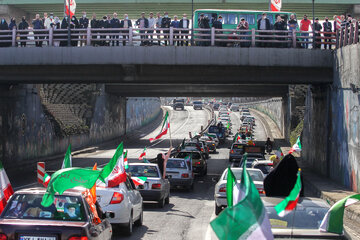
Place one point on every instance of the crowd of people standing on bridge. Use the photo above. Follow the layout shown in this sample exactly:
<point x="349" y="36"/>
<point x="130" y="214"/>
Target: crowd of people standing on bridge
<point x="157" y="24"/>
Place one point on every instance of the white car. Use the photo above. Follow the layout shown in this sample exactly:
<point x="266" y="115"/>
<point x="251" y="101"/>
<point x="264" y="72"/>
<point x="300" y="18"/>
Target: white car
<point x="181" y="173"/>
<point x="220" y="188"/>
<point x="155" y="188"/>
<point x="126" y="203"/>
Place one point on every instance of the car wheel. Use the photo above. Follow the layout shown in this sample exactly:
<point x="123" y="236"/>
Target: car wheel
<point x="161" y="202"/>
<point x="129" y="227"/>
<point x="139" y="222"/>
<point x="217" y="209"/>
<point x="167" y="200"/>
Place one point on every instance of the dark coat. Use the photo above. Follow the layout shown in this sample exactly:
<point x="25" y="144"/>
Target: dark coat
<point x="281" y="180"/>
<point x="84" y="23"/>
<point x="123" y="23"/>
<point x="165" y="22"/>
<point x="204" y="23"/>
<point x="267" y="23"/>
<point x="327" y="26"/>
<point x="94" y="23"/>
<point x="115" y="23"/>
<point x="23" y="25"/>
<point x="217" y="24"/>
<point x="4" y="25"/>
<point x="12" y="25"/>
<point x="146" y="23"/>
<point x="181" y="23"/>
<point x="38" y="24"/>
<point x="280" y="25"/>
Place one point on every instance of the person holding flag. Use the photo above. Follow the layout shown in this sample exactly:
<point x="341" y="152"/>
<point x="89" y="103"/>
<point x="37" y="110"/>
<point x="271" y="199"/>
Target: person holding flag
<point x="162" y="161"/>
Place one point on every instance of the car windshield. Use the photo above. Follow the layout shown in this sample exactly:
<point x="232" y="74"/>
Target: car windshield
<point x="264" y="168"/>
<point x="197" y="102"/>
<point x="28" y="206"/>
<point x="144" y="171"/>
<point x="172" y="163"/>
<point x="255" y="175"/>
<point x="194" y="155"/>
<point x="304" y="218"/>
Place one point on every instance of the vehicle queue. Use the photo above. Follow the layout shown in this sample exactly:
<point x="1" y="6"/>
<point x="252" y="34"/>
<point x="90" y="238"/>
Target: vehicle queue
<point x="121" y="206"/>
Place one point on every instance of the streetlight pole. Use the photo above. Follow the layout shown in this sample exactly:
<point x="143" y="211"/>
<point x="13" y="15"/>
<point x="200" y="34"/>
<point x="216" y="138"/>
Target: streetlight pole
<point x="313" y="25"/>
<point x="192" y="22"/>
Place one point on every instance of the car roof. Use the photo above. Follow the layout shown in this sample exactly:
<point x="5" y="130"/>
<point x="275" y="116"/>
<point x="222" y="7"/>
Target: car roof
<point x="144" y="164"/>
<point x="182" y="159"/>
<point x="303" y="201"/>
<point x="41" y="190"/>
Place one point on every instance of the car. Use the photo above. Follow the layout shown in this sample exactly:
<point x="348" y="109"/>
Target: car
<point x="236" y="151"/>
<point x="210" y="143"/>
<point x="234" y="108"/>
<point x="124" y="201"/>
<point x="199" y="163"/>
<point x="219" y="131"/>
<point x="178" y="103"/>
<point x="155" y="188"/>
<point x="197" y="105"/>
<point x="197" y="146"/>
<point x="211" y="137"/>
<point x="216" y="106"/>
<point x="250" y="119"/>
<point x="220" y="187"/>
<point x="264" y="165"/>
<point x="244" y="115"/>
<point x="69" y="217"/>
<point x="301" y="223"/>
<point x="180" y="173"/>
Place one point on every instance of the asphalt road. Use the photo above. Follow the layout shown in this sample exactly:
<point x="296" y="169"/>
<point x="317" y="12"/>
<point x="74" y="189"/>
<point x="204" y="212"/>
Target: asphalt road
<point x="189" y="213"/>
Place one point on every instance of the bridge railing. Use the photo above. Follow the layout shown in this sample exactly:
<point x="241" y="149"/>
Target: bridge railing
<point x="177" y="36"/>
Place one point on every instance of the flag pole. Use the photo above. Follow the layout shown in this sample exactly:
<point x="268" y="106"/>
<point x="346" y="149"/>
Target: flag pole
<point x="170" y="131"/>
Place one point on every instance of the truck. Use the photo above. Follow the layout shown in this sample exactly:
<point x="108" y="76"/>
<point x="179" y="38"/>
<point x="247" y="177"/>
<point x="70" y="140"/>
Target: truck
<point x="178" y="103"/>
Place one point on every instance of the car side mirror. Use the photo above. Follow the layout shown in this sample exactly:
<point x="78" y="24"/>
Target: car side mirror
<point x="109" y="214"/>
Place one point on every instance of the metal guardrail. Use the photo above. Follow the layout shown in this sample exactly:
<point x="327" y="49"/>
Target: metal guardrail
<point x="202" y="37"/>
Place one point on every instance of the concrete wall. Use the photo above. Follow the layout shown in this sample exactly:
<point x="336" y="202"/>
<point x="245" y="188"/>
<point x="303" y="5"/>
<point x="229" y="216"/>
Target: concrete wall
<point x="28" y="134"/>
<point x="332" y="127"/>
<point x="274" y="109"/>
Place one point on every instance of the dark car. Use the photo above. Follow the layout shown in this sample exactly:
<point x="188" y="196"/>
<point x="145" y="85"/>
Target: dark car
<point x="216" y="106"/>
<point x="178" y="104"/>
<point x="69" y="217"/>
<point x="198" y="105"/>
<point x="199" y="163"/>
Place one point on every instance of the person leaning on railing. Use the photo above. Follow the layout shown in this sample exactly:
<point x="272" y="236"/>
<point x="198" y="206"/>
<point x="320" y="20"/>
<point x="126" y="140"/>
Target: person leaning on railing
<point x="184" y="24"/>
<point x="83" y="24"/>
<point x="56" y="26"/>
<point x="243" y="25"/>
<point x="115" y="23"/>
<point x="158" y="25"/>
<point x="280" y="25"/>
<point x="165" y="23"/>
<point x="204" y="24"/>
<point x="175" y="24"/>
<point x="327" y="26"/>
<point x="152" y="22"/>
<point x="24" y="25"/>
<point x="125" y="23"/>
<point x="142" y="22"/>
<point x="38" y="24"/>
<point x="217" y="24"/>
<point x="263" y="24"/>
<point x="305" y="23"/>
<point x="318" y="28"/>
<point x="292" y="25"/>
<point x="94" y="23"/>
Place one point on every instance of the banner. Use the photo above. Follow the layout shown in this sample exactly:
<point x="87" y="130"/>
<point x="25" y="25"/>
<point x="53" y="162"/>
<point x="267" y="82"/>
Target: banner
<point x="275" y="5"/>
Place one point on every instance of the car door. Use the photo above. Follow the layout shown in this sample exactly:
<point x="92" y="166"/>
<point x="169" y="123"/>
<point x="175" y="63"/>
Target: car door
<point x="134" y="197"/>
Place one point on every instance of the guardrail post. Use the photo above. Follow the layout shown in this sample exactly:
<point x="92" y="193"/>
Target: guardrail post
<point x="130" y="36"/>
<point x="253" y="37"/>
<point x="337" y="39"/>
<point x="346" y="37"/>
<point x="171" y="36"/>
<point x="356" y="37"/>
<point x="351" y="38"/>
<point x="13" y="40"/>
<point x="88" y="36"/>
<point x="212" y="36"/>
<point x="293" y="38"/>
<point x="51" y="37"/>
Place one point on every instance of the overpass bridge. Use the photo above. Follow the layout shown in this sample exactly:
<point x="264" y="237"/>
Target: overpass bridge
<point x="135" y="7"/>
<point x="170" y="71"/>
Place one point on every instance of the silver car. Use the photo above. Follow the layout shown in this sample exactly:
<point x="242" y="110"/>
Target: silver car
<point x="155" y="187"/>
<point x="180" y="173"/>
<point x="301" y="223"/>
<point x="220" y="188"/>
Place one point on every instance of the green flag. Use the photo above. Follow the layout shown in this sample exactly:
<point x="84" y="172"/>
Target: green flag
<point x="248" y="218"/>
<point x="68" y="178"/>
<point x="67" y="163"/>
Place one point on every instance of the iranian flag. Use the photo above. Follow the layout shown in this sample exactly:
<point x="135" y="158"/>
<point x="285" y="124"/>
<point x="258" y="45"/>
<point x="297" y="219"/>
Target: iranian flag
<point x="290" y="202"/>
<point x="164" y="128"/>
<point x="142" y="155"/>
<point x="139" y="180"/>
<point x="279" y="154"/>
<point x="72" y="7"/>
<point x="296" y="147"/>
<point x="46" y="179"/>
<point x="126" y="163"/>
<point x="333" y="220"/>
<point x="114" y="172"/>
<point x="247" y="218"/>
<point x="67" y="163"/>
<point x="275" y="5"/>
<point x="6" y="188"/>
